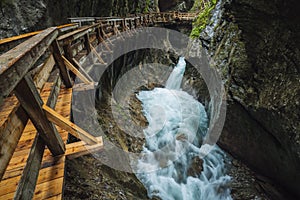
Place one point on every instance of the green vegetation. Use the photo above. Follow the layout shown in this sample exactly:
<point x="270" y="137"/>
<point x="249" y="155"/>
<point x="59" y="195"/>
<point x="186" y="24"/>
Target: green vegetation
<point x="203" y="17"/>
<point x="146" y="9"/>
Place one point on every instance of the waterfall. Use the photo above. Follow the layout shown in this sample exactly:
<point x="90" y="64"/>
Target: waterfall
<point x="175" y="79"/>
<point x="170" y="167"/>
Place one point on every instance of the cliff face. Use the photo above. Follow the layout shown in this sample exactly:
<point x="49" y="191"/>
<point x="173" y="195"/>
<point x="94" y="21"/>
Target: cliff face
<point x="22" y="16"/>
<point x="182" y="5"/>
<point x="255" y="44"/>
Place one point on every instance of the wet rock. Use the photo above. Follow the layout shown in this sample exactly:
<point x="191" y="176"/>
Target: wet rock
<point x="22" y="16"/>
<point x="196" y="167"/>
<point x="254" y="46"/>
<point x="88" y="178"/>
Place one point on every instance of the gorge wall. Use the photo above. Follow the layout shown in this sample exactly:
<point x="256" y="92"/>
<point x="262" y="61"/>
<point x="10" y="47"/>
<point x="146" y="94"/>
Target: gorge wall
<point x="254" y="45"/>
<point x="22" y="16"/>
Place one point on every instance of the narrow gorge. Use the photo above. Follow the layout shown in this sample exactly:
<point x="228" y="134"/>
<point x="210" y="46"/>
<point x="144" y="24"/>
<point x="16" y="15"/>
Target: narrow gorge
<point x="156" y="110"/>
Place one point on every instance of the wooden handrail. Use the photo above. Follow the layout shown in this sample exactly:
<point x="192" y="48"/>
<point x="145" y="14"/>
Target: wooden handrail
<point x="62" y="28"/>
<point x="15" y="63"/>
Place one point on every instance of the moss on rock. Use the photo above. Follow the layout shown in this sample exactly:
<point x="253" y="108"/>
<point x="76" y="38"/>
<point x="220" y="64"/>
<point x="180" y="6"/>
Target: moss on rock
<point x="203" y="17"/>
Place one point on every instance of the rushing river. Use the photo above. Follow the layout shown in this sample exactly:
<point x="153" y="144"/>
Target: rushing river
<point x="177" y="125"/>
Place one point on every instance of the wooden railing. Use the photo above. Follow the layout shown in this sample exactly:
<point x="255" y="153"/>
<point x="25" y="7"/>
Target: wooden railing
<point x="22" y="77"/>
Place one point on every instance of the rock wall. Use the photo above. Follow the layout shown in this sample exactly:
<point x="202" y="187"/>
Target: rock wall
<point x="181" y="5"/>
<point x="255" y="45"/>
<point x="22" y="16"/>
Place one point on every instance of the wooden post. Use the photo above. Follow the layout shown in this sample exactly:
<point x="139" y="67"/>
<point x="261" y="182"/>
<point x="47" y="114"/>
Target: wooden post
<point x="82" y="71"/>
<point x="101" y="39"/>
<point x="67" y="51"/>
<point x="76" y="71"/>
<point x="97" y="55"/>
<point x="32" y="103"/>
<point x="103" y="34"/>
<point x="11" y="130"/>
<point x="60" y="63"/>
<point x="115" y="28"/>
<point x="27" y="184"/>
<point x="87" y="43"/>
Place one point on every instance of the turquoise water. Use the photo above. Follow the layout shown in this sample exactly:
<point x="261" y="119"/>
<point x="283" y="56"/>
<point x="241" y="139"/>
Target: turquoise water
<point x="177" y="125"/>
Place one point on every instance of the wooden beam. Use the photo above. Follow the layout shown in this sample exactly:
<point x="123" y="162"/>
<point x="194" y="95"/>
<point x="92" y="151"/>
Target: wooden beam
<point x="11" y="130"/>
<point x="81" y="148"/>
<point x="75" y="71"/>
<point x="87" y="43"/>
<point x="101" y="39"/>
<point x="52" y="99"/>
<point x="10" y="133"/>
<point x="27" y="183"/>
<point x="26" y="186"/>
<point x="62" y="28"/>
<point x="60" y="63"/>
<point x="104" y="35"/>
<point x="43" y="74"/>
<point x="15" y="63"/>
<point x="97" y="55"/>
<point x="83" y="87"/>
<point x="69" y="37"/>
<point x="32" y="103"/>
<point x="65" y="124"/>
<point x="82" y="70"/>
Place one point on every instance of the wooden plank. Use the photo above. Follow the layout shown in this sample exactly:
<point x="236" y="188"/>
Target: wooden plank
<point x="78" y="65"/>
<point x="81" y="148"/>
<point x="52" y="167"/>
<point x="60" y="62"/>
<point x="15" y="63"/>
<point x="97" y="55"/>
<point x="10" y="134"/>
<point x="69" y="37"/>
<point x="32" y="103"/>
<point x="44" y="73"/>
<point x="87" y="43"/>
<point x="62" y="28"/>
<point x="9" y="185"/>
<point x="101" y="40"/>
<point x="75" y="71"/>
<point x="65" y="124"/>
<point x="45" y="175"/>
<point x="11" y="130"/>
<point x="58" y="197"/>
<point x="83" y="87"/>
<point x="49" y="189"/>
<point x="26" y="186"/>
<point x="51" y="102"/>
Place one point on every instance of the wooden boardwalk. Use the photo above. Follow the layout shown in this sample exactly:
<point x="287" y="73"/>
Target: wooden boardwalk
<point x="29" y="168"/>
<point x="51" y="175"/>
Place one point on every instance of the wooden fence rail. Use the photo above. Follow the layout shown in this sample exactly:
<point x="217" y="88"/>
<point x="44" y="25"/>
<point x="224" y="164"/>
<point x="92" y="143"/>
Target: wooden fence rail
<point x="22" y="77"/>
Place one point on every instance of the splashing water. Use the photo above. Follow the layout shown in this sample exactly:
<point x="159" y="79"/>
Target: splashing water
<point x="177" y="125"/>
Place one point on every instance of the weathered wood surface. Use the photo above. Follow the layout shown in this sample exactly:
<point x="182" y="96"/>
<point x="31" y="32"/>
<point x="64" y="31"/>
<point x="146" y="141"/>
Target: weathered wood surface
<point x="14" y="118"/>
<point x="72" y="128"/>
<point x="81" y="148"/>
<point x="62" y="28"/>
<point x="31" y="101"/>
<point x="66" y="38"/>
<point x="81" y="70"/>
<point x="27" y="184"/>
<point x="51" y="175"/>
<point x="15" y="63"/>
<point x="60" y="63"/>
<point x="75" y="71"/>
